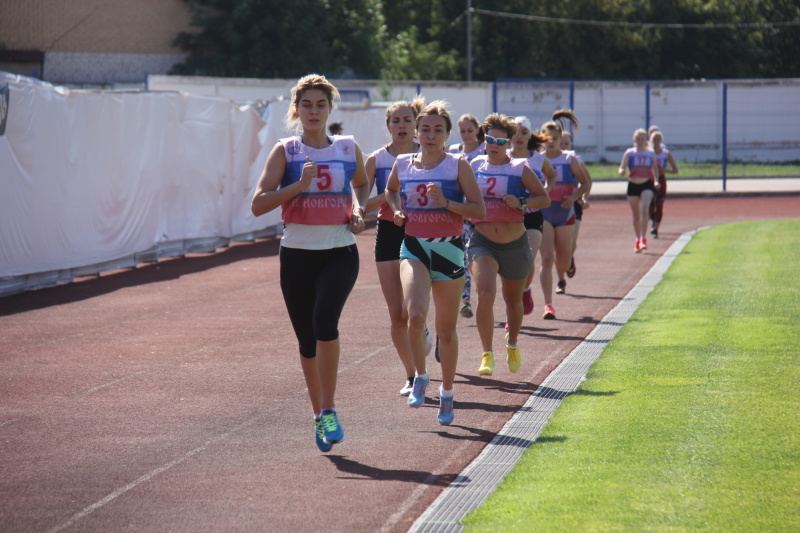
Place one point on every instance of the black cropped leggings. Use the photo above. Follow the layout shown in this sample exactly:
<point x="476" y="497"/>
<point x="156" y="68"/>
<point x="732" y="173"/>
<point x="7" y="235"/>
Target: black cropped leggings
<point x="315" y="286"/>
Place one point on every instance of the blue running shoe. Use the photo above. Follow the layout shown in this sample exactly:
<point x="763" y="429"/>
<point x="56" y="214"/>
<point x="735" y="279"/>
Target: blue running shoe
<point x="446" y="413"/>
<point x="332" y="430"/>
<point x="417" y="396"/>
<point x="320" y="436"/>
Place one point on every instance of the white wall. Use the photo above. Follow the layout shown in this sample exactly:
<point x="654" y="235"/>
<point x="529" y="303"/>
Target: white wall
<point x="96" y="180"/>
<point x="463" y="98"/>
<point x="762" y="114"/>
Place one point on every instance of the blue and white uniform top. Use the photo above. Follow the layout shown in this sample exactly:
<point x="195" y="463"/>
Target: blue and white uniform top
<point x="566" y="182"/>
<point x="640" y="163"/>
<point x="662" y="159"/>
<point x="384" y="161"/>
<point x="496" y="181"/>
<point x="425" y="219"/>
<point x="535" y="162"/>
<point x="457" y="149"/>
<point x="319" y="217"/>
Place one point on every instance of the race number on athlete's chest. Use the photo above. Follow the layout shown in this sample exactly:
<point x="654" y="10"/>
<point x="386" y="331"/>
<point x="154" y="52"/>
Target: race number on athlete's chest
<point x="417" y="196"/>
<point x="493" y="186"/>
<point x="330" y="178"/>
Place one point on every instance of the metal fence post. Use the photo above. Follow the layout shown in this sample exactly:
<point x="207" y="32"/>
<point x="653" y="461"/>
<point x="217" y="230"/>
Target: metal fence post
<point x="724" y="136"/>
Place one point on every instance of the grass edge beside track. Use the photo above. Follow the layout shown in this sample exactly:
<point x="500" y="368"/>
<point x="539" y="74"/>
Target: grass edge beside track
<point x="688" y="420"/>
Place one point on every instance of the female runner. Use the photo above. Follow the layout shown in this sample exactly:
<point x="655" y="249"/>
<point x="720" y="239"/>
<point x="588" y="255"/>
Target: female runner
<point x="499" y="245"/>
<point x="400" y="118"/>
<point x="666" y="165"/>
<point x="559" y="218"/>
<point x="580" y="205"/>
<point x="471" y="146"/>
<point x="527" y="145"/>
<point x="438" y="189"/>
<point x="313" y="178"/>
<point x="640" y="162"/>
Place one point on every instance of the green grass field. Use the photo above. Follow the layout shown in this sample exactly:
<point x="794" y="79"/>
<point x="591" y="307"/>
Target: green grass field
<point x="687" y="170"/>
<point x="690" y="419"/>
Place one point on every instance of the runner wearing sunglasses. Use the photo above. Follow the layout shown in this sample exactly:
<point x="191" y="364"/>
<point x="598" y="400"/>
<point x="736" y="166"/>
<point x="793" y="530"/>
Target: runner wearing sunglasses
<point x="499" y="245"/>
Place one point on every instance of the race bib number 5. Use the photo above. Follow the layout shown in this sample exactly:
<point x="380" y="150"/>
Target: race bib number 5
<point x="330" y="179"/>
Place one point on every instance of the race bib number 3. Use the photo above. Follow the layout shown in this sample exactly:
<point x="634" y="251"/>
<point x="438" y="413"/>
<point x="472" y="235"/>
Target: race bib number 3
<point x="330" y="179"/>
<point x="416" y="195"/>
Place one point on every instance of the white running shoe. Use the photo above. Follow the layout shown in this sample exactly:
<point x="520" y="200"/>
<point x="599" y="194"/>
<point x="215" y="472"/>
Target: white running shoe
<point x="408" y="387"/>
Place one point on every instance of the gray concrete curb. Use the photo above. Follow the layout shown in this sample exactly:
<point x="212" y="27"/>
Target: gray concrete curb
<point x="481" y="477"/>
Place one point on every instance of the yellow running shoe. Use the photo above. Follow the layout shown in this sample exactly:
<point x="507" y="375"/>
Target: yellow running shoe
<point x="514" y="358"/>
<point x="487" y="364"/>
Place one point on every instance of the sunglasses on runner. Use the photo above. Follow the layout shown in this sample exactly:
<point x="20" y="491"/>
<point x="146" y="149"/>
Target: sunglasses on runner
<point x="495" y="140"/>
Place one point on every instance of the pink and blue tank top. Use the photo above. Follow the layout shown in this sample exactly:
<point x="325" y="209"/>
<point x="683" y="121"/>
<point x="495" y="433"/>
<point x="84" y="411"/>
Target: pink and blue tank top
<point x="640" y="164"/>
<point x="566" y="182"/>
<point x="328" y="200"/>
<point x="425" y="218"/>
<point x="496" y="181"/>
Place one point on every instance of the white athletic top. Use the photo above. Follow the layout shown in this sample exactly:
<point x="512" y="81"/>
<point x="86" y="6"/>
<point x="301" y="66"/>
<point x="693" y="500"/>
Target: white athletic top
<point x="456" y="149"/>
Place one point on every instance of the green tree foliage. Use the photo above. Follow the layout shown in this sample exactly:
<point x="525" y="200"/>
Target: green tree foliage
<point x="273" y="38"/>
<point x="415" y="39"/>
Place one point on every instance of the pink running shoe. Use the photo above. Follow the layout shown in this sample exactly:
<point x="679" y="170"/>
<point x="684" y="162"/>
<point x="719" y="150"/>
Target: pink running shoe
<point x="549" y="312"/>
<point x="643" y="243"/>
<point x="527" y="301"/>
<point x="637" y="247"/>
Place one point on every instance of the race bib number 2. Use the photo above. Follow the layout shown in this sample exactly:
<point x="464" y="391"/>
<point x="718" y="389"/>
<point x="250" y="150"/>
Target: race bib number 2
<point x="493" y="186"/>
<point x="330" y="179"/>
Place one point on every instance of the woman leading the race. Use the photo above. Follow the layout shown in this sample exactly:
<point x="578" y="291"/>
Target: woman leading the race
<point x="314" y="179"/>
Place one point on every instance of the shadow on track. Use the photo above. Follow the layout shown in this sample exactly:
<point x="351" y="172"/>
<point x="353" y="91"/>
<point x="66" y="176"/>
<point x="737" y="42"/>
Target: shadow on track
<point x="366" y="472"/>
<point x="163" y="270"/>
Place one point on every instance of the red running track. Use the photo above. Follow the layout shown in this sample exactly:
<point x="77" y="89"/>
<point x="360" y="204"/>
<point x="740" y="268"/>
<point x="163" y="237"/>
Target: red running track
<point x="170" y="398"/>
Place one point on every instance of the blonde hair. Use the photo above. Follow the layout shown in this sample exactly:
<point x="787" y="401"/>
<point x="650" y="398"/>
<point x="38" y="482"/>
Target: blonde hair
<point x="308" y="83"/>
<point x="639" y="131"/>
<point x="436" y="108"/>
<point x="415" y="105"/>
<point x="496" y="121"/>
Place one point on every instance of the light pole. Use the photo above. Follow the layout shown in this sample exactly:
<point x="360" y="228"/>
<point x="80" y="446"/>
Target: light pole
<point x="469" y="40"/>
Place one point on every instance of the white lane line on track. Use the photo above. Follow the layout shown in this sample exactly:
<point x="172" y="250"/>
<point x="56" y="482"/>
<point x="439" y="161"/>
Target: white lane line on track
<point x="132" y="485"/>
<point x="163" y="468"/>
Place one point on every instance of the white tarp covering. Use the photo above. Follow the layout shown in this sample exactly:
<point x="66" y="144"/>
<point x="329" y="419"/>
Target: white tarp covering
<point x="98" y="180"/>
